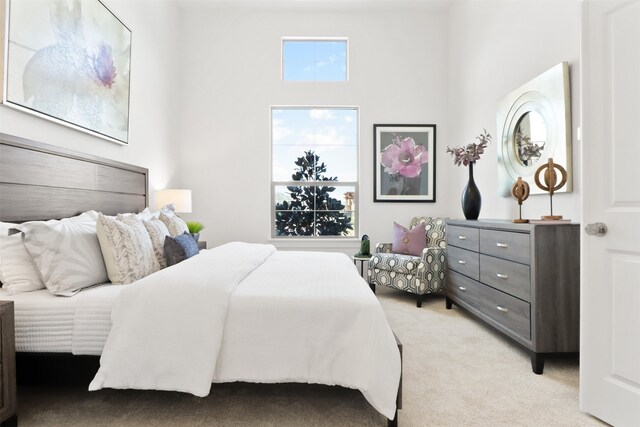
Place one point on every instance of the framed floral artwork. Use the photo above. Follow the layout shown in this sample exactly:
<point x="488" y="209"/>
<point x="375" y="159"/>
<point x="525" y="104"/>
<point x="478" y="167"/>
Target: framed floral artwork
<point x="68" y="62"/>
<point x="404" y="166"/>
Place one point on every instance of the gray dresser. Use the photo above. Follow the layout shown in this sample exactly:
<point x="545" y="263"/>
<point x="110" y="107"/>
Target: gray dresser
<point x="522" y="279"/>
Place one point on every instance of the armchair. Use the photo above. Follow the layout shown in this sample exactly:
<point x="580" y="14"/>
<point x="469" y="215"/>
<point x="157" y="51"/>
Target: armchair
<point x="419" y="275"/>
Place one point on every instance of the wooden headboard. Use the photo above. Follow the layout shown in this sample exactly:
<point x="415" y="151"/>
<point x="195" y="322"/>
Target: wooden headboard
<point x="40" y="181"/>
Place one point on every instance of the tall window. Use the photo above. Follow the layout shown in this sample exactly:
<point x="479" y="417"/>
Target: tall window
<point x="314" y="164"/>
<point x="314" y="59"/>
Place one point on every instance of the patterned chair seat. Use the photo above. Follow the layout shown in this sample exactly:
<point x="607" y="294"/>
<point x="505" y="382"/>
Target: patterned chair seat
<point x="399" y="263"/>
<point x="419" y="275"/>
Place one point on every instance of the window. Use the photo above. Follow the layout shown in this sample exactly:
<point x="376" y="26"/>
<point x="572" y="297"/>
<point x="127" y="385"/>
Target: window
<point x="314" y="59"/>
<point x="314" y="171"/>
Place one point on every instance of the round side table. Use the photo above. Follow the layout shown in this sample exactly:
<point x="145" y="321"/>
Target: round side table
<point x="361" y="260"/>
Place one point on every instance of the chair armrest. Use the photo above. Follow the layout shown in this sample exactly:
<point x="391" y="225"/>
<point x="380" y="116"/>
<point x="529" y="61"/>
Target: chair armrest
<point x="435" y="251"/>
<point x="431" y="271"/>
<point x="383" y="248"/>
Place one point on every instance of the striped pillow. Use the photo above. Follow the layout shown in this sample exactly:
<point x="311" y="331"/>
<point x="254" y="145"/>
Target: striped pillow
<point x="158" y="232"/>
<point x="174" y="223"/>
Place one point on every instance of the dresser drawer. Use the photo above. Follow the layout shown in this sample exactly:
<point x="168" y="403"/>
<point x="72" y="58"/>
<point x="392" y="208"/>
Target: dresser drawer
<point x="508" y="276"/>
<point x="463" y="237"/>
<point x="463" y="261"/>
<point x="462" y="288"/>
<point x="505" y="244"/>
<point x="507" y="310"/>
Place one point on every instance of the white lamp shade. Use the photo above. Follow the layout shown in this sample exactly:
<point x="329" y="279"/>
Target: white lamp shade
<point x="181" y="199"/>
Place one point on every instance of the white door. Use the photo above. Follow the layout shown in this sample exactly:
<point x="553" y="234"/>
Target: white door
<point x="610" y="290"/>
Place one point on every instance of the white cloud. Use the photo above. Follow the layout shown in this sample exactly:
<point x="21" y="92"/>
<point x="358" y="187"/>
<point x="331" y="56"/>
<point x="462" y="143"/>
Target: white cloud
<point x="331" y="60"/>
<point x="279" y="131"/>
<point x="319" y="114"/>
<point x="327" y="135"/>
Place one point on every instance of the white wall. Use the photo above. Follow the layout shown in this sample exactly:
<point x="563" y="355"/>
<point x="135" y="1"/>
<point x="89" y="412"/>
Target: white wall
<point x="398" y="65"/>
<point x="204" y="77"/>
<point x="153" y="26"/>
<point x="495" y="47"/>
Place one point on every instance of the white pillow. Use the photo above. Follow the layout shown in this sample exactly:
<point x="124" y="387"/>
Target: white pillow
<point x="174" y="223"/>
<point x="127" y="248"/>
<point x="145" y="214"/>
<point x="5" y="226"/>
<point x="157" y="232"/>
<point x="66" y="252"/>
<point x="17" y="271"/>
<point x="169" y="209"/>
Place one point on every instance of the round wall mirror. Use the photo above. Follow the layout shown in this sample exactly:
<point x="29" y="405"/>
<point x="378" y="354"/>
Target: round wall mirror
<point x="534" y="125"/>
<point x="529" y="138"/>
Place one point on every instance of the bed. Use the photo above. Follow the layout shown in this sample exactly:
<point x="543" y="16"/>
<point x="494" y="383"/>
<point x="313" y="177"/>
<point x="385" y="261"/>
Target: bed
<point x="316" y="331"/>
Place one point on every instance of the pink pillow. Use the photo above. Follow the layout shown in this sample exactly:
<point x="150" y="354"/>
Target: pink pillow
<point x="409" y="242"/>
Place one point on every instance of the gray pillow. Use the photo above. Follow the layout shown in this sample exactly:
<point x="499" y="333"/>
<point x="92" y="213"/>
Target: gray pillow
<point x="179" y="248"/>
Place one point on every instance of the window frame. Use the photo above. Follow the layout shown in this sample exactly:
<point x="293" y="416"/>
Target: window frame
<point x="355" y="184"/>
<point x="314" y="39"/>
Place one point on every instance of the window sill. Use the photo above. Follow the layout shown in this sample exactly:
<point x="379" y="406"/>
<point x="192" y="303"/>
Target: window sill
<point x="315" y="243"/>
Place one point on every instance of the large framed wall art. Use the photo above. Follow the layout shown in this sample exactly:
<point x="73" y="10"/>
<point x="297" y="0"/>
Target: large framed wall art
<point x="404" y="166"/>
<point x="67" y="61"/>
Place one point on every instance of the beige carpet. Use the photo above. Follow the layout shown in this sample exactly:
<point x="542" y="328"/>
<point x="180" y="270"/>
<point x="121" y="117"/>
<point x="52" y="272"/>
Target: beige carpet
<point x="457" y="372"/>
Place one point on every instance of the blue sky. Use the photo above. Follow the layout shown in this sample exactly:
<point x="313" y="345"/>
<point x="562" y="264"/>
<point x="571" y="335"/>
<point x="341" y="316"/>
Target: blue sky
<point x="331" y="133"/>
<point x="309" y="60"/>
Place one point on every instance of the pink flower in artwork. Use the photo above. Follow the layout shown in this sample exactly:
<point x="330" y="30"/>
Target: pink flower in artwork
<point x="103" y="69"/>
<point x="404" y="157"/>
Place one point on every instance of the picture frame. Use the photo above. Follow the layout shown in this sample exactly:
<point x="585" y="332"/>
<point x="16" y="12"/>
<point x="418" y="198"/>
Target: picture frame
<point x="404" y="163"/>
<point x="68" y="62"/>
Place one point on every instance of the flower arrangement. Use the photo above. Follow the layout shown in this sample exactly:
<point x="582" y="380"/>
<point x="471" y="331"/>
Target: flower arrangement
<point x="403" y="157"/>
<point x="464" y="155"/>
<point x="527" y="150"/>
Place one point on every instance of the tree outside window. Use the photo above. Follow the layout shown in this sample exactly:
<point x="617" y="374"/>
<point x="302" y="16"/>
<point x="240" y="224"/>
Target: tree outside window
<point x="314" y="172"/>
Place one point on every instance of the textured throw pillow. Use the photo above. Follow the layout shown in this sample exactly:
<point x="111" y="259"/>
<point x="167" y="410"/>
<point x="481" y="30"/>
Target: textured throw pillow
<point x="179" y="248"/>
<point x="127" y="248"/>
<point x="174" y="223"/>
<point x="66" y="252"/>
<point x="169" y="209"/>
<point x="18" y="273"/>
<point x="144" y="214"/>
<point x="157" y="232"/>
<point x="408" y="242"/>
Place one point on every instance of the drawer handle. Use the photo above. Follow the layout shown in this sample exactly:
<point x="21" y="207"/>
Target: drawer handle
<point x="502" y="245"/>
<point x="502" y="309"/>
<point x="462" y="288"/>
<point x="462" y="262"/>
<point x="502" y="276"/>
<point x="462" y="237"/>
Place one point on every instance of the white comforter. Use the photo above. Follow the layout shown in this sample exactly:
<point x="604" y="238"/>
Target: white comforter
<point x="167" y="327"/>
<point x="296" y="317"/>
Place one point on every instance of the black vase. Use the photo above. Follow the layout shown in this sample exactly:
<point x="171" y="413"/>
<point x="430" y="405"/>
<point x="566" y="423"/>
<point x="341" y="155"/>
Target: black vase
<point x="471" y="199"/>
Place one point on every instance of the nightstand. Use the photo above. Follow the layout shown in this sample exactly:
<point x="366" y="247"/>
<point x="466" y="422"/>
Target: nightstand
<point x="8" y="391"/>
<point x="202" y="244"/>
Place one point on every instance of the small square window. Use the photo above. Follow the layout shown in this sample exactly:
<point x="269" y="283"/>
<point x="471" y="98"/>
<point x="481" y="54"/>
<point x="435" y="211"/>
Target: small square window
<point x="314" y="60"/>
